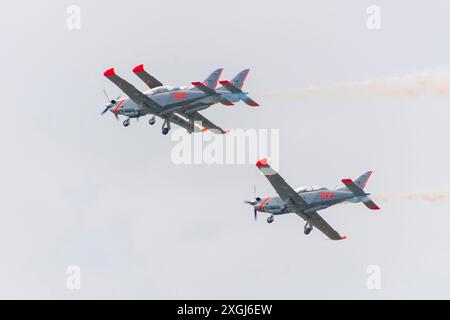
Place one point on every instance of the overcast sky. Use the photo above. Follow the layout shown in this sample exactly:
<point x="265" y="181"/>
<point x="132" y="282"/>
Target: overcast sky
<point x="80" y="189"/>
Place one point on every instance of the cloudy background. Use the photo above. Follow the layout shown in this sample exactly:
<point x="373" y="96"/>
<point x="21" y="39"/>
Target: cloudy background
<point x="80" y="189"/>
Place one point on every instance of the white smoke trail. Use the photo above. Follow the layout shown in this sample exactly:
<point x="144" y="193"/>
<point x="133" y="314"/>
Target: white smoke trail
<point x="429" y="197"/>
<point x="426" y="82"/>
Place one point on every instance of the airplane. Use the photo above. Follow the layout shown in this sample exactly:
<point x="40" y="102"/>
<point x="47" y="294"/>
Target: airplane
<point x="179" y="105"/>
<point x="306" y="201"/>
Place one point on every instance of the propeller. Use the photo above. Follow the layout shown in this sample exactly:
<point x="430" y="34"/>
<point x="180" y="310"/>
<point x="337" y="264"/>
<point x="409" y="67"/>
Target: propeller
<point x="254" y="202"/>
<point x="110" y="103"/>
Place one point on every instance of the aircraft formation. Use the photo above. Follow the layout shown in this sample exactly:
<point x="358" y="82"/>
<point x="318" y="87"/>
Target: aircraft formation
<point x="178" y="105"/>
<point x="181" y="106"/>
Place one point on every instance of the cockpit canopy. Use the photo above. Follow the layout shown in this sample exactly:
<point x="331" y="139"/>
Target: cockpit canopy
<point x="163" y="89"/>
<point x="309" y="189"/>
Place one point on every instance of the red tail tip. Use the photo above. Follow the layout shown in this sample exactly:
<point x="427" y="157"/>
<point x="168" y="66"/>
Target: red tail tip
<point x="345" y="181"/>
<point x="197" y="83"/>
<point x="343" y="238"/>
<point x="224" y="82"/>
<point x="254" y="104"/>
<point x="374" y="208"/>
<point x="262" y="163"/>
<point x="138" y="68"/>
<point x="109" y="72"/>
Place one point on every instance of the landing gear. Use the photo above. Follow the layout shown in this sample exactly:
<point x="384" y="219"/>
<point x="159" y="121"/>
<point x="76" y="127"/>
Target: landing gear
<point x="126" y="122"/>
<point x="308" y="228"/>
<point x="270" y="219"/>
<point x="151" y="121"/>
<point x="165" y="127"/>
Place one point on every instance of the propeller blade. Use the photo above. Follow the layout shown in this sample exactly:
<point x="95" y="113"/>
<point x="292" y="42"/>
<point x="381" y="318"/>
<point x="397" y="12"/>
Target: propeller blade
<point x="106" y="95"/>
<point x="117" y="117"/>
<point x="255" y="213"/>
<point x="104" y="111"/>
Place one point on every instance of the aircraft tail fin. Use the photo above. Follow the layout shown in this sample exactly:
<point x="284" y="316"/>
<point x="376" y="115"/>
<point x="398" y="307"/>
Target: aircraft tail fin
<point x="358" y="191"/>
<point x="211" y="81"/>
<point x="239" y="79"/>
<point x="362" y="179"/>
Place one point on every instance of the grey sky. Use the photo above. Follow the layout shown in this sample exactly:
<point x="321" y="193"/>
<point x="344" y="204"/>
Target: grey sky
<point x="81" y="189"/>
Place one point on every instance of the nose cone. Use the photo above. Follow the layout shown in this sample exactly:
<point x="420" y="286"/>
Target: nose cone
<point x="108" y="106"/>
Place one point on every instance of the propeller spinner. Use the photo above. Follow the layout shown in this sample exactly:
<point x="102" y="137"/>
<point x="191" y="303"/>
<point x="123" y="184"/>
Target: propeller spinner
<point x="109" y="104"/>
<point x="254" y="202"/>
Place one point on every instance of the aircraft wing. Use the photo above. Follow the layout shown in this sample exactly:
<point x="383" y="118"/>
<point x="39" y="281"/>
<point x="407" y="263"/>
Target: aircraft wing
<point x="134" y="94"/>
<point x="149" y="80"/>
<point x="196" y="116"/>
<point x="292" y="199"/>
<point x="318" y="222"/>
<point x="173" y="118"/>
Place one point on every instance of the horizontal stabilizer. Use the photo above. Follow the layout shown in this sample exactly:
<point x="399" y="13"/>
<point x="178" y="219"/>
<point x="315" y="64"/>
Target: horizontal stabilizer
<point x="370" y="204"/>
<point x="353" y="187"/>
<point x="357" y="191"/>
<point x="201" y="86"/>
<point x="230" y="87"/>
<point x="226" y="102"/>
<point x="250" y="102"/>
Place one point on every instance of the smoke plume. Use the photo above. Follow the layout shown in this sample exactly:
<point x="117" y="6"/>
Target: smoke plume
<point x="429" y="197"/>
<point x="426" y="82"/>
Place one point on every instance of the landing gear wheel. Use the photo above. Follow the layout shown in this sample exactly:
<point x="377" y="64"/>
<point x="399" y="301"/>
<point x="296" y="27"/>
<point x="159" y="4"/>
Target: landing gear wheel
<point x="126" y="122"/>
<point x="165" y="131"/>
<point x="151" y="121"/>
<point x="270" y="219"/>
<point x="308" y="227"/>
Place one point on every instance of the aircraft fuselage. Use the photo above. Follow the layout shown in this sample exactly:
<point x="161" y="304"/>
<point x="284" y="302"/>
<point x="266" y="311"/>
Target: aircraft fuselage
<point x="178" y="99"/>
<point x="317" y="200"/>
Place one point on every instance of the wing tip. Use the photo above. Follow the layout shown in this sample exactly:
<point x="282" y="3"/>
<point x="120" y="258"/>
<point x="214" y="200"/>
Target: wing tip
<point x="109" y="73"/>
<point x="262" y="163"/>
<point x="343" y="238"/>
<point x="139" y="68"/>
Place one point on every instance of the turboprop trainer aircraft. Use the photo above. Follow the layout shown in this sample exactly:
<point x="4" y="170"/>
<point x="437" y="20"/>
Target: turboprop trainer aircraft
<point x="179" y="105"/>
<point x="306" y="201"/>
